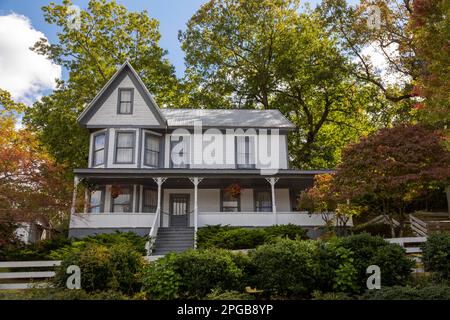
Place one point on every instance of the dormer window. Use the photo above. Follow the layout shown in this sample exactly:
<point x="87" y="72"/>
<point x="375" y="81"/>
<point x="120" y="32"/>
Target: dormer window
<point x="125" y="101"/>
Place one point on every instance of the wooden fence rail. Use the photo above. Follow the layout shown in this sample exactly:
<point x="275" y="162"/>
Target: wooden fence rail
<point x="12" y="275"/>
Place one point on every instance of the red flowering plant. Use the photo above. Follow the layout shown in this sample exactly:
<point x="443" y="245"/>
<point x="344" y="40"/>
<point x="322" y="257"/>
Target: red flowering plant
<point x="234" y="190"/>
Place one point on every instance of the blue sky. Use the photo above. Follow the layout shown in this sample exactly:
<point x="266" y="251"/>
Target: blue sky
<point x="172" y="16"/>
<point x="28" y="76"/>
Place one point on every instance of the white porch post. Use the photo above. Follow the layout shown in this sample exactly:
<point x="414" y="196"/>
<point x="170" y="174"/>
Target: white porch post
<point x="195" y="181"/>
<point x="86" y="200"/>
<point x="76" y="180"/>
<point x="272" y="182"/>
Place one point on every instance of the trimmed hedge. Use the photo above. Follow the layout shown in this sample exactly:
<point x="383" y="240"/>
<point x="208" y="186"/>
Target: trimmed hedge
<point x="432" y="292"/>
<point x="436" y="254"/>
<point x="192" y="274"/>
<point x="116" y="268"/>
<point x="235" y="238"/>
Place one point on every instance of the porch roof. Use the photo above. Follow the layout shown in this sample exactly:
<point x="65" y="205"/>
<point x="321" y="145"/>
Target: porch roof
<point x="214" y="178"/>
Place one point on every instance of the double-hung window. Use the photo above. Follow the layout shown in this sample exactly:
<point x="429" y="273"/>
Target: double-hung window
<point x="245" y="158"/>
<point x="151" y="150"/>
<point x="123" y="202"/>
<point x="263" y="201"/>
<point x="99" y="149"/>
<point x="230" y="202"/>
<point x="125" y="101"/>
<point x="125" y="144"/>
<point x="180" y="152"/>
<point x="96" y="201"/>
<point x="149" y="202"/>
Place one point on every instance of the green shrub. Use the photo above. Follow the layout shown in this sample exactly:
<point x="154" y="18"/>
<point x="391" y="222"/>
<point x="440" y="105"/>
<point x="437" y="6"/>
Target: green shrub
<point x="204" y="270"/>
<point x="234" y="238"/>
<point x="433" y="292"/>
<point x="160" y="281"/>
<point x="284" y="268"/>
<point x="108" y="240"/>
<point x="191" y="274"/>
<point x="102" y="268"/>
<point x="60" y="294"/>
<point x="318" y="295"/>
<point x="228" y="295"/>
<point x="368" y="250"/>
<point x="436" y="254"/>
<point x="33" y="251"/>
<point x="395" y="266"/>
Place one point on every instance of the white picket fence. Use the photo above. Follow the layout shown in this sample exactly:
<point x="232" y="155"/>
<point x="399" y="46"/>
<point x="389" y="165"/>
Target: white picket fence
<point x="15" y="279"/>
<point x="411" y="244"/>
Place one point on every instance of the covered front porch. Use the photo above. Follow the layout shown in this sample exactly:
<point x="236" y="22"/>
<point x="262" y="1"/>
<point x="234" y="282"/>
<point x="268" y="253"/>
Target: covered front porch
<point x="145" y="200"/>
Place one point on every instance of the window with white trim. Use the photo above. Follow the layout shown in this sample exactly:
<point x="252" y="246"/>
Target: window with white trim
<point x="245" y="154"/>
<point x="98" y="154"/>
<point x="125" y="144"/>
<point x="263" y="201"/>
<point x="125" y="101"/>
<point x="151" y="150"/>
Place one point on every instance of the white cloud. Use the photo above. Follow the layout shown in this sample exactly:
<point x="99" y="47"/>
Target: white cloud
<point x="389" y="75"/>
<point x="23" y="72"/>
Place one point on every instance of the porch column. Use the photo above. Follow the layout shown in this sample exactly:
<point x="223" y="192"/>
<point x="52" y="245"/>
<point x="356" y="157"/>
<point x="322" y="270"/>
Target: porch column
<point x="272" y="182"/>
<point x="195" y="181"/>
<point x="76" y="181"/>
<point x="159" y="181"/>
<point x="86" y="200"/>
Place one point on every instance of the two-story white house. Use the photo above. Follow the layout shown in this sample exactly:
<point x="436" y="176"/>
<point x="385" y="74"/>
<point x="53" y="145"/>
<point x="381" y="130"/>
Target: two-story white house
<point x="166" y="172"/>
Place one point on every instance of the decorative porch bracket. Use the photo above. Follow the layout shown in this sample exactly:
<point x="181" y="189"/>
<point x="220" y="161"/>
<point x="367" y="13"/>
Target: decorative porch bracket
<point x="156" y="222"/>
<point x="273" y="181"/>
<point x="195" y="181"/>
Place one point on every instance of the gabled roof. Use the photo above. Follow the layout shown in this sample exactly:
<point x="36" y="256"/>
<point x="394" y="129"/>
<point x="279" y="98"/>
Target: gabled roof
<point x="176" y="118"/>
<point x="124" y="68"/>
<point x="222" y="118"/>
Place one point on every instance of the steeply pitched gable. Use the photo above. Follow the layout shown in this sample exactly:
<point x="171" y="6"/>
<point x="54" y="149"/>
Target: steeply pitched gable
<point x="102" y="111"/>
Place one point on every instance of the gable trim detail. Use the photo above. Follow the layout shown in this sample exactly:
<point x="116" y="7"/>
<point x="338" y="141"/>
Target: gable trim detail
<point x="124" y="70"/>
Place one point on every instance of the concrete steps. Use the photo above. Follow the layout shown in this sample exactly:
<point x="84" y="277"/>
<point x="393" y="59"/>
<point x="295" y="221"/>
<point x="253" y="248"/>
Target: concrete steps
<point x="173" y="239"/>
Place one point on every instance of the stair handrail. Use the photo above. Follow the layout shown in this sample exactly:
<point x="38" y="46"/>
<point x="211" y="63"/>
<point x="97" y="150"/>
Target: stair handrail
<point x="152" y="234"/>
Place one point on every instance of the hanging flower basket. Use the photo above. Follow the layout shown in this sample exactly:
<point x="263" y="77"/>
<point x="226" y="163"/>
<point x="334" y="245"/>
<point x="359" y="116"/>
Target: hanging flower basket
<point x="115" y="191"/>
<point x="234" y="190"/>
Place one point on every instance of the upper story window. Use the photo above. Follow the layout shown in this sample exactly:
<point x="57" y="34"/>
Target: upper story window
<point x="245" y="154"/>
<point x="151" y="150"/>
<point x="125" y="144"/>
<point x="180" y="152"/>
<point x="99" y="149"/>
<point x="230" y="202"/>
<point x="263" y="201"/>
<point x="125" y="105"/>
<point x="96" y="201"/>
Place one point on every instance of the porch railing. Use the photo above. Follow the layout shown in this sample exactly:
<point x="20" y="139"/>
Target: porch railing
<point x="153" y="232"/>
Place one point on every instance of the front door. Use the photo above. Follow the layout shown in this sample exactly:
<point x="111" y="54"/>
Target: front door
<point x="179" y="210"/>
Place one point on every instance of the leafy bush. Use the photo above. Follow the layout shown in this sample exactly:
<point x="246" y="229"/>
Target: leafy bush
<point x="108" y="240"/>
<point x="433" y="292"/>
<point x="191" y="274"/>
<point x="368" y="250"/>
<point x="395" y="266"/>
<point x="103" y="268"/>
<point x="318" y="295"/>
<point x="284" y="268"/>
<point x="60" y="294"/>
<point x="233" y="238"/>
<point x="160" y="281"/>
<point x="217" y="294"/>
<point x="436" y="254"/>
<point x="204" y="270"/>
<point x="33" y="251"/>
